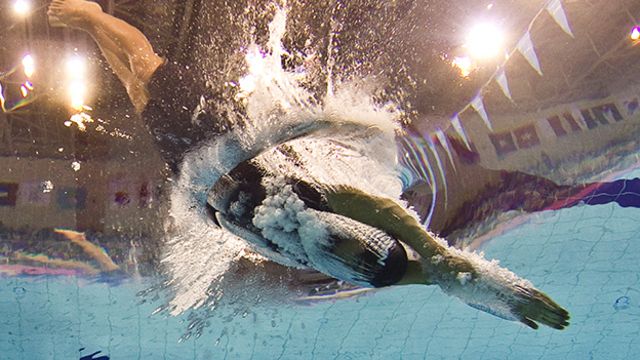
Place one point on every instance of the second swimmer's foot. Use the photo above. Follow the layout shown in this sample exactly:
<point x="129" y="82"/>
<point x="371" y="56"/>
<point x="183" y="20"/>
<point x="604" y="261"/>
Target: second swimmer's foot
<point x="54" y="21"/>
<point x="72" y="13"/>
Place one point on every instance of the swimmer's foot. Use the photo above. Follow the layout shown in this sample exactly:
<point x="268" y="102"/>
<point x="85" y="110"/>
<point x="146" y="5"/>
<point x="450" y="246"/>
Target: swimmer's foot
<point x="72" y="13"/>
<point x="54" y="21"/>
<point x="73" y="236"/>
<point x="499" y="292"/>
<point x="480" y="283"/>
<point x="535" y="307"/>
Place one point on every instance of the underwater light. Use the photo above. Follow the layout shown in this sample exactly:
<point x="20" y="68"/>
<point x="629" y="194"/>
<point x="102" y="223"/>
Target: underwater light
<point x="21" y="7"/>
<point x="484" y="41"/>
<point x="635" y="33"/>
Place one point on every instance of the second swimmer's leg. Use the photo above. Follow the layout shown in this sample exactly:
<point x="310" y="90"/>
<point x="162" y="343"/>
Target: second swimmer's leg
<point x="124" y="46"/>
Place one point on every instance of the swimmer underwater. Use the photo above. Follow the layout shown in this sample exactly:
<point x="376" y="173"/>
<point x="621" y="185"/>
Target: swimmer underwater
<point x="368" y="241"/>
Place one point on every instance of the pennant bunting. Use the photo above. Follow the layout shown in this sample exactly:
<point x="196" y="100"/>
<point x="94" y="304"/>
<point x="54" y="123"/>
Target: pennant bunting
<point x="557" y="13"/>
<point x="457" y="126"/>
<point x="501" y="79"/>
<point x="525" y="47"/>
<point x="478" y="106"/>
<point x="442" y="138"/>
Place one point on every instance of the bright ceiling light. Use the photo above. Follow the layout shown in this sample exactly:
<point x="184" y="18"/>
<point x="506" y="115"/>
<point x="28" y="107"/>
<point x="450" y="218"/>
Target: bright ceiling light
<point x="28" y="65"/>
<point x="76" y="68"/>
<point x="463" y="64"/>
<point x="635" y="33"/>
<point x="22" y="7"/>
<point x="77" y="94"/>
<point x="484" y="41"/>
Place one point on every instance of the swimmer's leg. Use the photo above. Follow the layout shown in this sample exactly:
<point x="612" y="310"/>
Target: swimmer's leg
<point x="126" y="49"/>
<point x="56" y="263"/>
<point x="476" y="281"/>
<point x="78" y="238"/>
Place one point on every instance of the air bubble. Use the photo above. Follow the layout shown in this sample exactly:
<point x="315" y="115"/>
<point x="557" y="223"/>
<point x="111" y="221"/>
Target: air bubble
<point x="20" y="292"/>
<point x="622" y="303"/>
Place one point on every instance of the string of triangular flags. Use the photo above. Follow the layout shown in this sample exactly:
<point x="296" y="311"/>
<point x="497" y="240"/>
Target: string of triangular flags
<point x="524" y="47"/>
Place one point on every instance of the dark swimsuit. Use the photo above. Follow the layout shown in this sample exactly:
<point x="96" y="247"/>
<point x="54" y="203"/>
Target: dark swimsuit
<point x="177" y="112"/>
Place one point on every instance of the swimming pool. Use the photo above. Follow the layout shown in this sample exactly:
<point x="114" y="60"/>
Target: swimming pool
<point x="520" y="156"/>
<point x="584" y="256"/>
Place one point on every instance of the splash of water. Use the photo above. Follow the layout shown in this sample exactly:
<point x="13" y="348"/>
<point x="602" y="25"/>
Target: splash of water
<point x="340" y="138"/>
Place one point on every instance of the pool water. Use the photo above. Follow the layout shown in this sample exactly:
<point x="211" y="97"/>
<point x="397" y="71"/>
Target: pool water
<point x="585" y="257"/>
<point x="562" y="108"/>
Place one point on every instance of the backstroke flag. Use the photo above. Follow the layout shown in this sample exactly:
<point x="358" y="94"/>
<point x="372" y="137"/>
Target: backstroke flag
<point x="525" y="47"/>
<point x="557" y="13"/>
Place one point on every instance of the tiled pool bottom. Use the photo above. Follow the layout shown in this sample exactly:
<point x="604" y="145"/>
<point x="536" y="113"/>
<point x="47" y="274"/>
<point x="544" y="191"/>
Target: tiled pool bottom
<point x="586" y="257"/>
